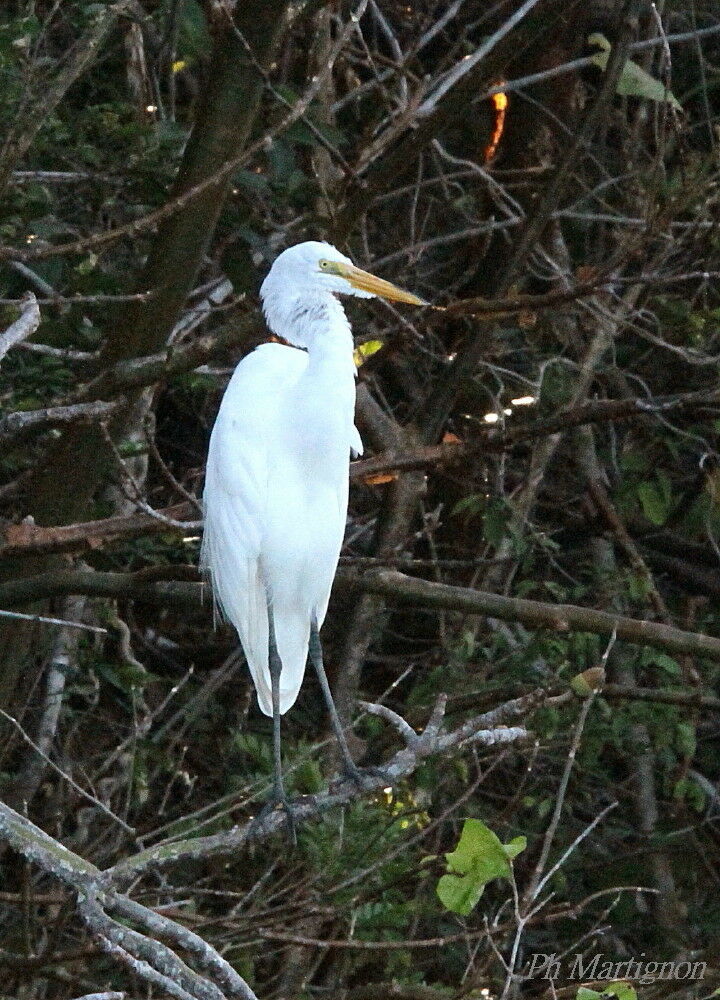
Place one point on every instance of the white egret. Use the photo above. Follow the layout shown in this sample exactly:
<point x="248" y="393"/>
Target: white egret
<point x="276" y="486"/>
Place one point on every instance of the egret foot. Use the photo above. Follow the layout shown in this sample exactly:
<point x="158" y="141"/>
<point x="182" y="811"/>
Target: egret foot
<point x="364" y="778"/>
<point x="278" y="800"/>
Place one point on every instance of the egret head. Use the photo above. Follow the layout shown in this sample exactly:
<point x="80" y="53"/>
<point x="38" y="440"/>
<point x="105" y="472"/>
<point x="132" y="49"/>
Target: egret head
<point x="306" y="269"/>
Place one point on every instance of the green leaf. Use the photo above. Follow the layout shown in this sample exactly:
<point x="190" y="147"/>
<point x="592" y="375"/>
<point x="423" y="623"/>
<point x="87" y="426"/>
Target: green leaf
<point x="634" y="81"/>
<point x="88" y="264"/>
<point x="685" y="739"/>
<point x="472" y="504"/>
<point x="364" y="351"/>
<point x="651" y="658"/>
<point x="194" y="37"/>
<point x="655" y="507"/>
<point x="516" y="846"/>
<point x="622" y="990"/>
<point x="495" y="521"/>
<point x="588" y="681"/>
<point x="478" y="858"/>
<point x="252" y="182"/>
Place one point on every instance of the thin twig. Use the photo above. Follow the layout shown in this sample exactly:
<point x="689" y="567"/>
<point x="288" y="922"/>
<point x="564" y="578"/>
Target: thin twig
<point x="44" y="620"/>
<point x="66" y="777"/>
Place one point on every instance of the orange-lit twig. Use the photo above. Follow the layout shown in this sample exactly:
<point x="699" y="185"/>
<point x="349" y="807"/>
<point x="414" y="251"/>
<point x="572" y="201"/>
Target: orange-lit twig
<point x="500" y="104"/>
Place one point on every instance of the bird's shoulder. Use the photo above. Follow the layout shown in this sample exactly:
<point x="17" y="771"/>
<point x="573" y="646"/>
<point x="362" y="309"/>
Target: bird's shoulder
<point x="272" y="363"/>
<point x="259" y="381"/>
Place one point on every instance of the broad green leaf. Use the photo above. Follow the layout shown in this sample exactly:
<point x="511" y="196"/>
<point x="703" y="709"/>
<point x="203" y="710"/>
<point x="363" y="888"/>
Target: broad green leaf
<point x="622" y="990"/>
<point x="478" y="858"/>
<point x="634" y="81"/>
<point x="479" y="850"/>
<point x="472" y="504"/>
<point x="654" y="505"/>
<point x="651" y="658"/>
<point x="459" y="895"/>
<point x="495" y="521"/>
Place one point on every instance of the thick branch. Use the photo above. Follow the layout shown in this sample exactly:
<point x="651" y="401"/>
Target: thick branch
<point x="539" y="614"/>
<point x="32" y="539"/>
<point x="49" y="854"/>
<point x="143" y="371"/>
<point x="388" y="583"/>
<point x="148" y="957"/>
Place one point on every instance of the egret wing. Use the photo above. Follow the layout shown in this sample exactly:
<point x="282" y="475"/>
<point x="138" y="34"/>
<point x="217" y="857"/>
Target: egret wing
<point x="236" y="498"/>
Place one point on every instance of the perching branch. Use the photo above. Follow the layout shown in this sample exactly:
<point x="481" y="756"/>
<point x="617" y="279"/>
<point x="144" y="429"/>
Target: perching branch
<point x="428" y="743"/>
<point x="99" y="901"/>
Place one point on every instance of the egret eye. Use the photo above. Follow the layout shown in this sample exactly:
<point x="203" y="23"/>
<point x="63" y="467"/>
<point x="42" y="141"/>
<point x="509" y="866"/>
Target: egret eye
<point x="324" y="264"/>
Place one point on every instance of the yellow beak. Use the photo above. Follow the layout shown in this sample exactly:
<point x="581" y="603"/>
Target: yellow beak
<point x="366" y="282"/>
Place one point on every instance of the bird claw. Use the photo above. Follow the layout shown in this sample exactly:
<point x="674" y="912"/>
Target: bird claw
<point x="362" y="777"/>
<point x="278" y="801"/>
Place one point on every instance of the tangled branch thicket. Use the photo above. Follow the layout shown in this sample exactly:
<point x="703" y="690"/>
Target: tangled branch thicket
<point x="527" y="592"/>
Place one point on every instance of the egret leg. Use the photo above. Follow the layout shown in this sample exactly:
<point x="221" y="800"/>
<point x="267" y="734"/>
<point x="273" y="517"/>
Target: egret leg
<point x="316" y="658"/>
<point x="275" y="664"/>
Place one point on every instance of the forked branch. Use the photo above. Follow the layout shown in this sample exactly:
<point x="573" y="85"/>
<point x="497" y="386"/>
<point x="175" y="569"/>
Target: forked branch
<point x="108" y="912"/>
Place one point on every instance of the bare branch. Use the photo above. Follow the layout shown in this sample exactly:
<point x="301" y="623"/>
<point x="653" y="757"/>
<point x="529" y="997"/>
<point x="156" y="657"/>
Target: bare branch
<point x="158" y="957"/>
<point x="388" y="583"/>
<point x="538" y="614"/>
<point x="102" y="996"/>
<point x="405" y="730"/>
<point x="81" y="791"/>
<point x="469" y="62"/>
<point x="503" y="436"/>
<point x="22" y="422"/>
<point x="28" y="538"/>
<point x="23" y="327"/>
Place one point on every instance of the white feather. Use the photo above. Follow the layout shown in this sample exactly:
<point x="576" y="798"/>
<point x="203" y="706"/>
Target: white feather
<point x="276" y="488"/>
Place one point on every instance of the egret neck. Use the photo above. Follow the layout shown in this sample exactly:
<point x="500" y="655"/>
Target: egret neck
<point x="317" y="323"/>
